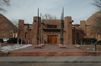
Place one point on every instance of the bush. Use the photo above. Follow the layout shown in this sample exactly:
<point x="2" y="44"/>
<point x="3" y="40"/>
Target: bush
<point x="99" y="42"/>
<point x="1" y="41"/>
<point x="13" y="40"/>
<point x="88" y="40"/>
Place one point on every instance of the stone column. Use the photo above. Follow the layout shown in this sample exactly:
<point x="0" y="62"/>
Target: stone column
<point x="34" y="30"/>
<point x="68" y="30"/>
<point x="20" y="32"/>
<point x="83" y="25"/>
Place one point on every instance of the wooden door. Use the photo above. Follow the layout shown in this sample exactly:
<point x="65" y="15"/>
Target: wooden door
<point x="52" y="39"/>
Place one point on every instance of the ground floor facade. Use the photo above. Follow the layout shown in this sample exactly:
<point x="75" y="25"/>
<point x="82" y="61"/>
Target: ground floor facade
<point x="49" y="32"/>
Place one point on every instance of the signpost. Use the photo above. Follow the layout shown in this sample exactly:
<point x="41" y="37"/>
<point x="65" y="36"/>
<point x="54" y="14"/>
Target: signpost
<point x="95" y="45"/>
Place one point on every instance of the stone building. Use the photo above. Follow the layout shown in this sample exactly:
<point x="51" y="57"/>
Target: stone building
<point x="50" y="30"/>
<point x="88" y="26"/>
<point x="78" y="33"/>
<point x="7" y="29"/>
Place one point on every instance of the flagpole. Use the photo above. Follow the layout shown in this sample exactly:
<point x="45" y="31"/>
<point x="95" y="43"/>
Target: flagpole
<point x="62" y="18"/>
<point x="38" y="28"/>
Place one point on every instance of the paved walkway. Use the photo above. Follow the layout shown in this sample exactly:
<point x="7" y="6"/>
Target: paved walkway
<point x="55" y="59"/>
<point x="49" y="50"/>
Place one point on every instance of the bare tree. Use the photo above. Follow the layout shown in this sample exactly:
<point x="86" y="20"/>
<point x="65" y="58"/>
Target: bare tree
<point x="4" y="3"/>
<point x="97" y="17"/>
<point x="48" y="16"/>
<point x="97" y="3"/>
<point x="96" y="27"/>
<point x="15" y="23"/>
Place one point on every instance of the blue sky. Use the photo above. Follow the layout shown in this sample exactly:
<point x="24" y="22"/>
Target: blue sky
<point x="27" y="9"/>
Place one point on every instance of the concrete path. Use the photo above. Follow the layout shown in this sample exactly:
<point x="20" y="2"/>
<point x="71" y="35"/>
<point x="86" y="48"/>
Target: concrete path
<point x="53" y="59"/>
<point x="49" y="50"/>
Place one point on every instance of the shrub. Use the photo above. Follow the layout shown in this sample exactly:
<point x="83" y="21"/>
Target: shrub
<point x="13" y="40"/>
<point x="88" y="40"/>
<point x="1" y="41"/>
<point x="99" y="42"/>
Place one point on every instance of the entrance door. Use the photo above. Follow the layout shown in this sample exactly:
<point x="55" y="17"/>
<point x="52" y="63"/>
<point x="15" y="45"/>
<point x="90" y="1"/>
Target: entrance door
<point x="52" y="39"/>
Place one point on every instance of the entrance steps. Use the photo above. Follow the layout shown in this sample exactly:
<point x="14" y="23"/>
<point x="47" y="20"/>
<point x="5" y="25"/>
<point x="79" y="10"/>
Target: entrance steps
<point x="48" y="54"/>
<point x="49" y="50"/>
<point x="52" y="50"/>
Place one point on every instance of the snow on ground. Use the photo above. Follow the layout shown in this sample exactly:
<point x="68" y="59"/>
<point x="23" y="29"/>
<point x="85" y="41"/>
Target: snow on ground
<point x="77" y="45"/>
<point x="14" y="47"/>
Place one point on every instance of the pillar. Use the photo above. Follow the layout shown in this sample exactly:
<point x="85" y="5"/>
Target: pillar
<point x="68" y="30"/>
<point x="34" y="30"/>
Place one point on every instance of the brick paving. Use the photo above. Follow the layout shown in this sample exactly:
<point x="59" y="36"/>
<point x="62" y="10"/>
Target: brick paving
<point x="49" y="50"/>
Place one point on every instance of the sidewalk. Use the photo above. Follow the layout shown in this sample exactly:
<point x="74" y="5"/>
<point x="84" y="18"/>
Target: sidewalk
<point x="52" y="59"/>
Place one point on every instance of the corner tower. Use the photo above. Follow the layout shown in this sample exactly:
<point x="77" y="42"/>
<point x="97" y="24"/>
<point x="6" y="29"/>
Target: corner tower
<point x="34" y="30"/>
<point x="68" y="30"/>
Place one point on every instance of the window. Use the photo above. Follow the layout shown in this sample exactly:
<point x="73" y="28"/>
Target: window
<point x="55" y="26"/>
<point x="48" y="26"/>
<point x="26" y="35"/>
<point x="77" y="35"/>
<point x="51" y="26"/>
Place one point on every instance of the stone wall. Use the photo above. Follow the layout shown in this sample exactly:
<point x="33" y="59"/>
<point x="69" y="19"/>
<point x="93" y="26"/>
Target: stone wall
<point x="6" y="27"/>
<point x="33" y="34"/>
<point x="68" y="30"/>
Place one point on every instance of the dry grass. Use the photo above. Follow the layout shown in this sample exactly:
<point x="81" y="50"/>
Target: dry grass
<point x="84" y="47"/>
<point x="89" y="47"/>
<point x="6" y="44"/>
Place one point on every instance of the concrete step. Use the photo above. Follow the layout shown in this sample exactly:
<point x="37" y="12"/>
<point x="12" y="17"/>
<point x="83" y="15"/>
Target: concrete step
<point x="2" y="54"/>
<point x="48" y="54"/>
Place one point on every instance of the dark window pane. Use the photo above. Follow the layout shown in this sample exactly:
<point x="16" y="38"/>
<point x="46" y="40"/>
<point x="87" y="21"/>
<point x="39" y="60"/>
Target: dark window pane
<point x="48" y="26"/>
<point x="26" y="36"/>
<point x="51" y="26"/>
<point x="55" y="26"/>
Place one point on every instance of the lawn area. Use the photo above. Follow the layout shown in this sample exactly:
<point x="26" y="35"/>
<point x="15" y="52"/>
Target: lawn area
<point x="89" y="47"/>
<point x="84" y="47"/>
<point x="11" y="47"/>
<point x="6" y="44"/>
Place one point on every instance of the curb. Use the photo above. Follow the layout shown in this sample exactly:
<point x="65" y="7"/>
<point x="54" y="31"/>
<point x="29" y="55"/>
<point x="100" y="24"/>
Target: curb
<point x="50" y="61"/>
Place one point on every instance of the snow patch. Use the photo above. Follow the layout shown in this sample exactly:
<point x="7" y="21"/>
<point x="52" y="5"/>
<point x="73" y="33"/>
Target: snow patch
<point x="77" y="45"/>
<point x="14" y="47"/>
